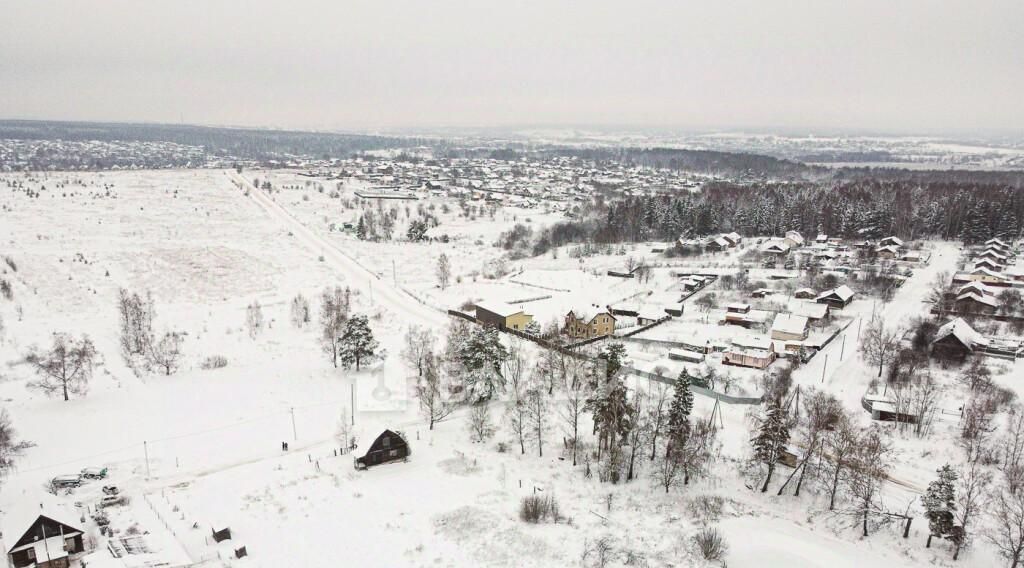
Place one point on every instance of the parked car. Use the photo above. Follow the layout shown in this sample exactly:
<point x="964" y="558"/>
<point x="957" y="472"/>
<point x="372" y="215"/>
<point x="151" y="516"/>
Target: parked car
<point x="111" y="500"/>
<point x="94" y="472"/>
<point x="66" y="481"/>
<point x="111" y="490"/>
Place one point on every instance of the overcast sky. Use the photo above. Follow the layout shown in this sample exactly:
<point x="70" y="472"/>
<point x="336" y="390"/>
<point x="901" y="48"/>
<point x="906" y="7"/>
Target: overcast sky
<point x="900" y="65"/>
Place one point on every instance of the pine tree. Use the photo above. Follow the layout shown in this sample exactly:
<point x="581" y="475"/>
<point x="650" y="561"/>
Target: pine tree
<point x="357" y="343"/>
<point x="680" y="410"/>
<point x="940" y="503"/>
<point x="361" y="229"/>
<point x="771" y="440"/>
<point x="614" y="357"/>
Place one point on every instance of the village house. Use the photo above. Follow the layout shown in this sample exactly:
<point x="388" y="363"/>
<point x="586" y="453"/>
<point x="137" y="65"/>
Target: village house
<point x="734" y="238"/>
<point x="789" y="327"/>
<point x="956" y="340"/>
<point x="388" y="447"/>
<point x="40" y="532"/>
<point x="794" y="239"/>
<point x="718" y="244"/>
<point x="755" y="352"/>
<point x="822" y="238"/>
<point x="986" y="262"/>
<point x="837" y="298"/>
<point x="813" y="311"/>
<point x="502" y="316"/>
<point x="888" y="252"/>
<point x="579" y="327"/>
<point x="776" y="248"/>
<point x="974" y="303"/>
<point x="891" y="242"/>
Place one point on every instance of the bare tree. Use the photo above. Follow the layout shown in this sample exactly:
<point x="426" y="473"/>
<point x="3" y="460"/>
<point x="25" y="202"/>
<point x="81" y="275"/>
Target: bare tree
<point x="66" y="368"/>
<point x="1007" y="531"/>
<point x="657" y="412"/>
<point x="939" y="294"/>
<point x="434" y="402"/>
<point x="1011" y="451"/>
<point x="576" y="393"/>
<point x="538" y="412"/>
<point x="419" y="345"/>
<point x="300" y="311"/>
<point x="971" y="498"/>
<point x="867" y="474"/>
<point x="479" y="425"/>
<point x="878" y="344"/>
<point x="254" y="318"/>
<point x="514" y="366"/>
<point x="136" y="319"/>
<point x="698" y="450"/>
<point x="668" y="469"/>
<point x="444" y="271"/>
<point x="334" y="308"/>
<point x="639" y="431"/>
<point x="822" y="413"/>
<point x="166" y="352"/>
<point x="839" y="446"/>
<point x="10" y="446"/>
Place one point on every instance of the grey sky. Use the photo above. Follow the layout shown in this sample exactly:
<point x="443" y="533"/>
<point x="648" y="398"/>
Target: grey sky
<point x="909" y="65"/>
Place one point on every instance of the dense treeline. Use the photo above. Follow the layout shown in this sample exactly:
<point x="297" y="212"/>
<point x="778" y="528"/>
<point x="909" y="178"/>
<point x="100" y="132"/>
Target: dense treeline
<point x="249" y="144"/>
<point x="864" y="209"/>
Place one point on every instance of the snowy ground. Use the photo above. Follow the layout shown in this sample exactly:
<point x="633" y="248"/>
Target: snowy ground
<point x="202" y="447"/>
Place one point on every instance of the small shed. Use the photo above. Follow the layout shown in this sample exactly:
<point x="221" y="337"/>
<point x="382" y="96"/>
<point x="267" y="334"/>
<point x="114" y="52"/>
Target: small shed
<point x="388" y="447"/>
<point x="805" y="293"/>
<point x="220" y="532"/>
<point x="684" y="355"/>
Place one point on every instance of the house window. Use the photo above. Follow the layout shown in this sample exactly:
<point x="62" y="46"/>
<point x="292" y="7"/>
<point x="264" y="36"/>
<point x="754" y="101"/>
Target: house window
<point x="393" y="454"/>
<point x="386" y="442"/>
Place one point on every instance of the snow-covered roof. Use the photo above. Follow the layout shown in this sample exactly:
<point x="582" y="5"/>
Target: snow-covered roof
<point x="809" y="310"/>
<point x="843" y="292"/>
<point x="18" y="518"/>
<point x="980" y="298"/>
<point x="752" y="342"/>
<point x="795" y="236"/>
<point x="738" y="306"/>
<point x="773" y="246"/>
<point x="996" y="241"/>
<point x="987" y="272"/>
<point x="976" y="287"/>
<point x="821" y="238"/>
<point x="894" y="240"/>
<point x="503" y="310"/>
<point x="789" y="323"/>
<point x="963" y="332"/>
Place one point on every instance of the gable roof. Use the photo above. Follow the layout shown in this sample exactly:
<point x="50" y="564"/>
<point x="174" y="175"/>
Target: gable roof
<point x="503" y="310"/>
<point x="789" y="323"/>
<point x="809" y="310"/>
<point x="843" y="292"/>
<point x="20" y="517"/>
<point x="963" y="332"/>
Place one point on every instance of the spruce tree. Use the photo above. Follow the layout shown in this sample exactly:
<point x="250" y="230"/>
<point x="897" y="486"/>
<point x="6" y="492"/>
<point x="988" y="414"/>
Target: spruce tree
<point x="680" y="410"/>
<point x="357" y="343"/>
<point x="771" y="440"/>
<point x="940" y="503"/>
<point x="614" y="357"/>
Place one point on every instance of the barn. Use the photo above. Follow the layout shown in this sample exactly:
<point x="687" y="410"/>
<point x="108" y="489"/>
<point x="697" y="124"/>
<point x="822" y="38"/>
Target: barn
<point x="837" y="298"/>
<point x="388" y="447"/>
<point x="41" y="532"/>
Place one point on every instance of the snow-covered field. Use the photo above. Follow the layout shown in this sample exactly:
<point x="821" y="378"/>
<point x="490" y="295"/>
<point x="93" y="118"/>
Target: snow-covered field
<point x="201" y="448"/>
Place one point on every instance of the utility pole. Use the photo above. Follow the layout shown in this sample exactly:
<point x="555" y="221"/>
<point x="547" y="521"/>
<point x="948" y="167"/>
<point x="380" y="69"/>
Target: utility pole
<point x="145" y="449"/>
<point x="353" y="403"/>
<point x="825" y="366"/>
<point x="842" y="348"/>
<point x="295" y="432"/>
<point x="394" y="273"/>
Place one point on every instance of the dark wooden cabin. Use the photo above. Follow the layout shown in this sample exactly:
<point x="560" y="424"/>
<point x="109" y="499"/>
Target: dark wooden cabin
<point x="41" y="535"/>
<point x="388" y="447"/>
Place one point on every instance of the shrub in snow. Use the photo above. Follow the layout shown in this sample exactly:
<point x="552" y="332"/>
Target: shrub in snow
<point x="705" y="508"/>
<point x="711" y="544"/>
<point x="214" y="362"/>
<point x="537" y="508"/>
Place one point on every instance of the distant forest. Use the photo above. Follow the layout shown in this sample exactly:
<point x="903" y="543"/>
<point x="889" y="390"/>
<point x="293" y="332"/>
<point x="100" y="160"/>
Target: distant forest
<point x="244" y="144"/>
<point x="861" y="208"/>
